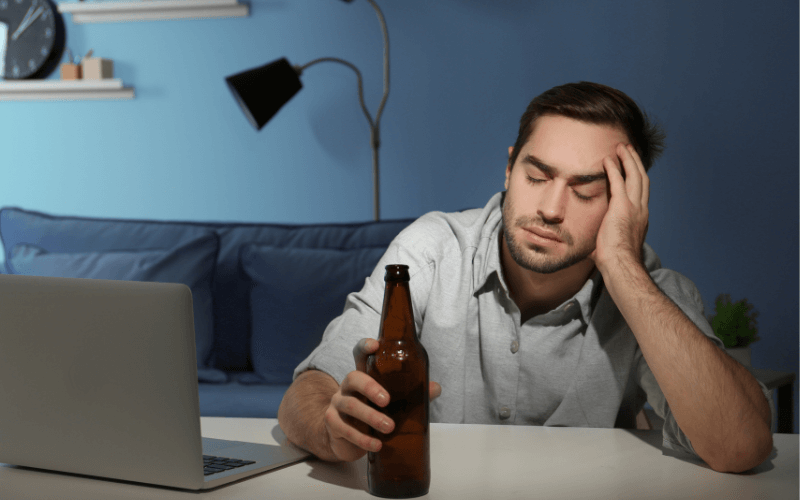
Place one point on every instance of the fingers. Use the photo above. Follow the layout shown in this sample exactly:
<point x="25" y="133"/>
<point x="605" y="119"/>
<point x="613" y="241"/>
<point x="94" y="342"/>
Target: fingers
<point x="629" y="176"/>
<point x="358" y="382"/>
<point x="637" y="181"/>
<point x="615" y="181"/>
<point x="643" y="173"/>
<point x="633" y="177"/>
<point x="434" y="390"/>
<point x="339" y="431"/>
<point x="362" y="350"/>
<point x="349" y="416"/>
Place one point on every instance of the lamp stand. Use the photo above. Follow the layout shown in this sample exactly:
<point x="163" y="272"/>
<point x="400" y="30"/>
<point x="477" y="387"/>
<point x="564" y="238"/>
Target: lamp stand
<point x="374" y="125"/>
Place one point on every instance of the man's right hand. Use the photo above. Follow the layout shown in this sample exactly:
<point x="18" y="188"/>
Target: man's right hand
<point x="349" y="416"/>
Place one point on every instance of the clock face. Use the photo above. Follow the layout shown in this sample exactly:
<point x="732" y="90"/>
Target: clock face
<point x="32" y="41"/>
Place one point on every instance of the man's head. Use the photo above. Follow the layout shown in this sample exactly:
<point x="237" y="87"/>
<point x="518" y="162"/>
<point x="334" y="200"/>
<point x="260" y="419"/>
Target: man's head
<point x="594" y="103"/>
<point x="557" y="192"/>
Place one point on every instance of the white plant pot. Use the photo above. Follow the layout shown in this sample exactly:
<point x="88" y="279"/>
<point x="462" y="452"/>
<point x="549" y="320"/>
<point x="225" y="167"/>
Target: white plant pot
<point x="740" y="354"/>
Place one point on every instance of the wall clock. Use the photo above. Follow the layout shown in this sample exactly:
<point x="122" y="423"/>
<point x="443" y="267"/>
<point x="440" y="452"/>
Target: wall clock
<point x="31" y="38"/>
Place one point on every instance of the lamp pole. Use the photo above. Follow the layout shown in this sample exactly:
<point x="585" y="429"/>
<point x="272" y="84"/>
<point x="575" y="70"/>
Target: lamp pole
<point x="374" y="125"/>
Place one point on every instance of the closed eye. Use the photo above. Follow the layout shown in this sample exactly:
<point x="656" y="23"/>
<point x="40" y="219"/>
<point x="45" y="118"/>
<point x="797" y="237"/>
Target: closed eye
<point x="534" y="180"/>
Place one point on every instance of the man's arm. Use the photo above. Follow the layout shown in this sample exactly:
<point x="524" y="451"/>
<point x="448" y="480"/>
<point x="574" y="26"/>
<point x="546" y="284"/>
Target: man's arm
<point x="333" y="421"/>
<point x="716" y="402"/>
<point x="329" y="420"/>
<point x="299" y="414"/>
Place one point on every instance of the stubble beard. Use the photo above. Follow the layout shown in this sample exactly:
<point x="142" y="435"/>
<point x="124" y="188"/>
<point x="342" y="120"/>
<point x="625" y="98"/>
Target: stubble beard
<point x="536" y="258"/>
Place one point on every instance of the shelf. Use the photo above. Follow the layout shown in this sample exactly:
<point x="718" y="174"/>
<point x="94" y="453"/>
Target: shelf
<point x="64" y="90"/>
<point x="151" y="10"/>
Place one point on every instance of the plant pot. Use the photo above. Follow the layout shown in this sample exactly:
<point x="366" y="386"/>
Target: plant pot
<point x="740" y="354"/>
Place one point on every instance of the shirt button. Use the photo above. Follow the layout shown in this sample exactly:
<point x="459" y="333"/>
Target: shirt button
<point x="514" y="347"/>
<point x="505" y="412"/>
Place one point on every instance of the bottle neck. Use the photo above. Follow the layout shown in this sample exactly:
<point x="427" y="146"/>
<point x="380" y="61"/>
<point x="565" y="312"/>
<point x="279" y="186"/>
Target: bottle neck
<point x="397" y="318"/>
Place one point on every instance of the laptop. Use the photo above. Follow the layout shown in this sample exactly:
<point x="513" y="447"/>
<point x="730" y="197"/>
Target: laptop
<point x="99" y="378"/>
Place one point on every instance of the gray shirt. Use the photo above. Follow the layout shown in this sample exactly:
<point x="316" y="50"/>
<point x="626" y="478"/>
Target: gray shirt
<point x="578" y="365"/>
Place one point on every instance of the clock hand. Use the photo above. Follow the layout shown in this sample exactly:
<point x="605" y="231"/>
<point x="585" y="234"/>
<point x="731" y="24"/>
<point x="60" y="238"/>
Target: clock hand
<point x="25" y="19"/>
<point x="27" y="22"/>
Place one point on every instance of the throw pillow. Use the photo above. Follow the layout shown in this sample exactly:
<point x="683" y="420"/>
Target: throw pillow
<point x="191" y="264"/>
<point x="296" y="293"/>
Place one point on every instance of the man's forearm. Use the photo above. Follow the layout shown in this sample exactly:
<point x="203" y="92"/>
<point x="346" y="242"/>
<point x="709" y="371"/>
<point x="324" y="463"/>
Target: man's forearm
<point x="302" y="410"/>
<point x="717" y="403"/>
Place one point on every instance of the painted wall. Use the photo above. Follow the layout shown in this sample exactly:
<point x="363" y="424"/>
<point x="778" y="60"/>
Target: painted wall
<point x="721" y="76"/>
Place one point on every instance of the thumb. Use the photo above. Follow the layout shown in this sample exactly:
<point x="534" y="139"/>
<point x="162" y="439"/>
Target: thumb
<point x="434" y="390"/>
<point x="362" y="349"/>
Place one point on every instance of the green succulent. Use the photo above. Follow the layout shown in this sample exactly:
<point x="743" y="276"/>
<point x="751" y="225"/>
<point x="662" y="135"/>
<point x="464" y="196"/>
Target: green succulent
<point x="734" y="322"/>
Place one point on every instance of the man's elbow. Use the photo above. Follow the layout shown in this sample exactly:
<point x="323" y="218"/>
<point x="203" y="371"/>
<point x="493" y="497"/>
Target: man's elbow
<point x="752" y="451"/>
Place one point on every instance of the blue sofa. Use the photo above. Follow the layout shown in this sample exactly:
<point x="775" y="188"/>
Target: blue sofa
<point x="263" y="293"/>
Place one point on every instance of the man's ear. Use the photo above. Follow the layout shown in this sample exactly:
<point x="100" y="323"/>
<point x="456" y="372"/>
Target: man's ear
<point x="509" y="165"/>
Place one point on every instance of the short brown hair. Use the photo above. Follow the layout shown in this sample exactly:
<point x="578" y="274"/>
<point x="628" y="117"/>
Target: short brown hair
<point x="599" y="104"/>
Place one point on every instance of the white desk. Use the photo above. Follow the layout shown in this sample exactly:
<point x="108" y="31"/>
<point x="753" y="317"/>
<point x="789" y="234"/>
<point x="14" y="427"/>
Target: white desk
<point x="467" y="462"/>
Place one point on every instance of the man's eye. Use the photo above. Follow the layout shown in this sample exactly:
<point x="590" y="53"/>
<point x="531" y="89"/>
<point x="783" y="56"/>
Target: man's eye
<point x="533" y="180"/>
<point x="582" y="197"/>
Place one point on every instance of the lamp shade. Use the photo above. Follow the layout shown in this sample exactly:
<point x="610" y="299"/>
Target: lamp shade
<point x="262" y="91"/>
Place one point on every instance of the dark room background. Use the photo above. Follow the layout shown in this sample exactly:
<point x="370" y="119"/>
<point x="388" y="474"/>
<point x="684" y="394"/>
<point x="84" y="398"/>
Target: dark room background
<point x="720" y="76"/>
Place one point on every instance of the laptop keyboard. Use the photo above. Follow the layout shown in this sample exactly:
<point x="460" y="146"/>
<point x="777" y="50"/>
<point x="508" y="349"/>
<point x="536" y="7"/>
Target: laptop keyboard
<point x="213" y="465"/>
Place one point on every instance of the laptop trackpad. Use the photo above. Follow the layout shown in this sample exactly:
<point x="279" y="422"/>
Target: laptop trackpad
<point x="270" y="453"/>
<point x="212" y="446"/>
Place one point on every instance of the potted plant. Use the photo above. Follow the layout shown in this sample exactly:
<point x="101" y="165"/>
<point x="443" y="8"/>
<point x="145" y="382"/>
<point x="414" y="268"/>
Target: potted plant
<point x="735" y="324"/>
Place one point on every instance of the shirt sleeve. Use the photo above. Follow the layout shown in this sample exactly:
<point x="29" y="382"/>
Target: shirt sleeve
<point x="362" y="310"/>
<point x="686" y="296"/>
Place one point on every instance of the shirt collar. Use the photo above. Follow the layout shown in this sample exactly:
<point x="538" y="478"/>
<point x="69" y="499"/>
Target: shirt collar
<point x="488" y="270"/>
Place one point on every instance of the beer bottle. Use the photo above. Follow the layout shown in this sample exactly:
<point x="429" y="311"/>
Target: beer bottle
<point x="402" y="467"/>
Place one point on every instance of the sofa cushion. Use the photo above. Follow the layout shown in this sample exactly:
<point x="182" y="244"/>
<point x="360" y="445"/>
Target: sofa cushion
<point x="191" y="263"/>
<point x="296" y="292"/>
<point x="83" y="234"/>
<point x="75" y="235"/>
<point x="232" y="286"/>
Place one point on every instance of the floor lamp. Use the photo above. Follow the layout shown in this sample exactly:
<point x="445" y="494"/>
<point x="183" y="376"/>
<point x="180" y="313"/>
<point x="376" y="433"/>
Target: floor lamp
<point x="262" y="91"/>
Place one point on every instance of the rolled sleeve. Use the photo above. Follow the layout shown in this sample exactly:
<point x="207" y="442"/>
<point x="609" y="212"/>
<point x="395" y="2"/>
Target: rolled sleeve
<point x="685" y="295"/>
<point x="362" y="310"/>
<point x="360" y="319"/>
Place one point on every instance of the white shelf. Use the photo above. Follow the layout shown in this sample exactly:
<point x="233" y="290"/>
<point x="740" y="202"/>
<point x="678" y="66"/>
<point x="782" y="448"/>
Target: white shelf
<point x="64" y="90"/>
<point x="151" y="10"/>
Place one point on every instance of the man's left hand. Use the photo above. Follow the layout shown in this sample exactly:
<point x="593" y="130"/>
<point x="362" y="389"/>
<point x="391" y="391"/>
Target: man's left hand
<point x="624" y="227"/>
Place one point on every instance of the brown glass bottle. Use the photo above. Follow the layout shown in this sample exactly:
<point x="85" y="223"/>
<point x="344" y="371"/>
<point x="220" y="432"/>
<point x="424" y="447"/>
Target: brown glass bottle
<point x="402" y="467"/>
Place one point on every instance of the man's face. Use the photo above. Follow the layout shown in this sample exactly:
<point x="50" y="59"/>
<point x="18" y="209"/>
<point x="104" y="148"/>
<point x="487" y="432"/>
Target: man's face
<point x="557" y="193"/>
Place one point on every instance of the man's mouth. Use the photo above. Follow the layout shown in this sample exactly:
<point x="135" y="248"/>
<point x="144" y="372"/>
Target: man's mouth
<point x="543" y="234"/>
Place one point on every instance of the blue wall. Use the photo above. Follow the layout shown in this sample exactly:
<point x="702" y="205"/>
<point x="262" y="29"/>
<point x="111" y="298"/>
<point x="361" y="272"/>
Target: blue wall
<point x="721" y="76"/>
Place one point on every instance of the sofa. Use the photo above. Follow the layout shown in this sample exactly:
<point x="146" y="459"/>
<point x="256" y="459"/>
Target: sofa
<point x="262" y="293"/>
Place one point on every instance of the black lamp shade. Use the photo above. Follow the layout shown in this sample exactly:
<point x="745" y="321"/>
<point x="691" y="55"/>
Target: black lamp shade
<point x="262" y="91"/>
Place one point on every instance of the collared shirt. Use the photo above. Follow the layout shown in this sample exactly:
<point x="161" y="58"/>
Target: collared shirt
<point x="578" y="365"/>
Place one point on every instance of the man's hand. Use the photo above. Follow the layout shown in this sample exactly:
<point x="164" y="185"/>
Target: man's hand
<point x="624" y="227"/>
<point x="349" y="416"/>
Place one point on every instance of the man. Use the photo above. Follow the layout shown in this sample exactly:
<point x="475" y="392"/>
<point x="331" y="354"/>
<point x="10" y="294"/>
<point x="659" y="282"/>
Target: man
<point x="545" y="307"/>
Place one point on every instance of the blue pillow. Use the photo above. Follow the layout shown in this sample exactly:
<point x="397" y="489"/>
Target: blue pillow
<point x="296" y="293"/>
<point x="191" y="264"/>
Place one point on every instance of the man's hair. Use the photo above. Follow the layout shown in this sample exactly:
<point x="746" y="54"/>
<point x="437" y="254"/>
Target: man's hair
<point x="594" y="103"/>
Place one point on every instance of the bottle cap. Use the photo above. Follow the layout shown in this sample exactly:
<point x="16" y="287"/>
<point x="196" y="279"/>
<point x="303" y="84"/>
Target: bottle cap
<point x="396" y="272"/>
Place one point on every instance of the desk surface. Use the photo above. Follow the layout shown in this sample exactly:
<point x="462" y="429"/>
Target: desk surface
<point x="468" y="462"/>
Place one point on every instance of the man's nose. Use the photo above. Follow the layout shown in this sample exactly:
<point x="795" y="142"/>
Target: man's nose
<point x="552" y="204"/>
